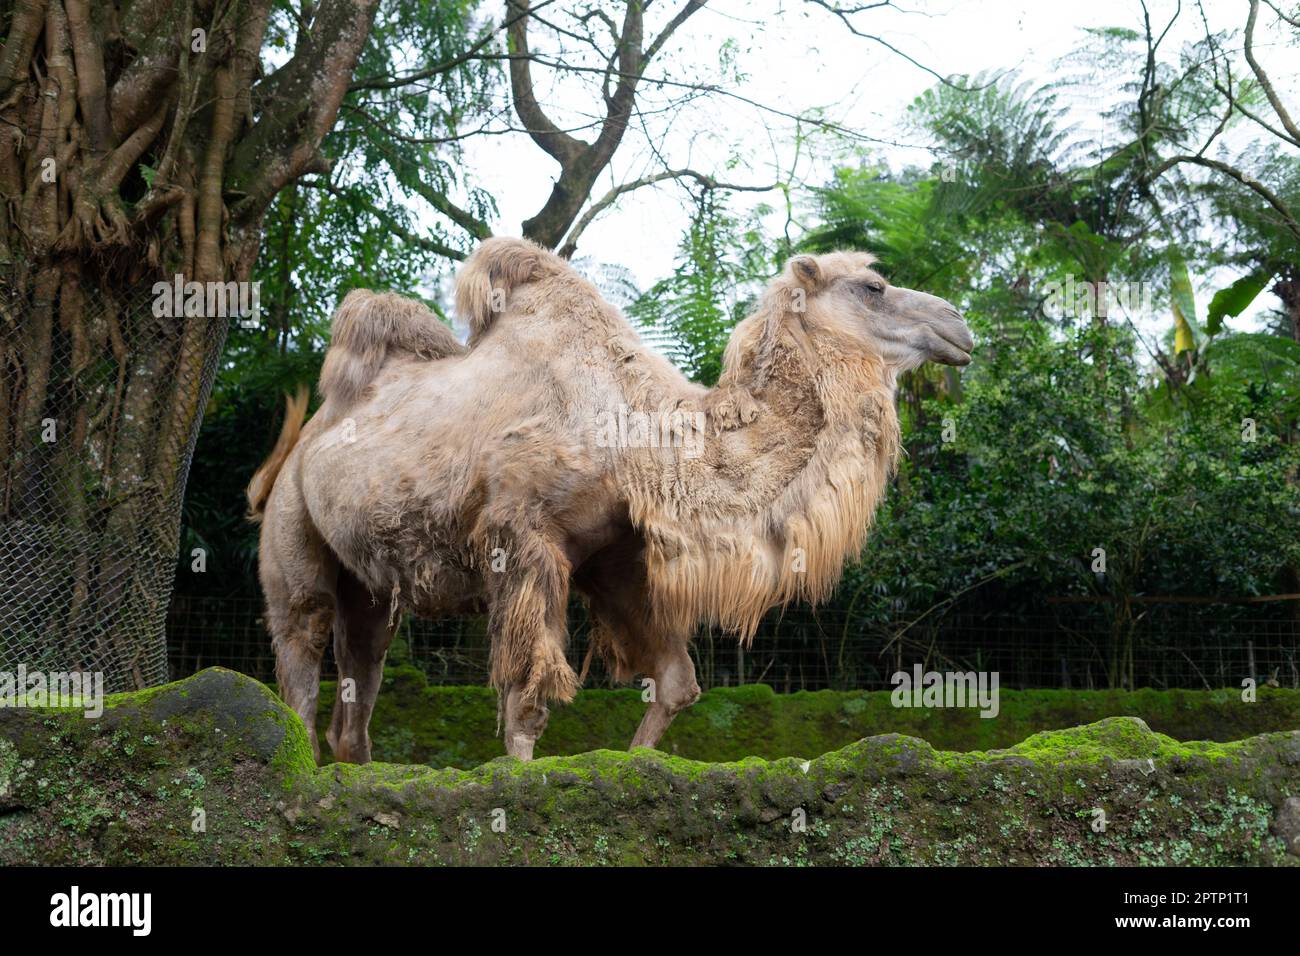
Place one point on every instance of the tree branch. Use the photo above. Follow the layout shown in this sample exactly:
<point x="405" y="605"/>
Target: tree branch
<point x="24" y="30"/>
<point x="388" y="82"/>
<point x="844" y="14"/>
<point x="92" y="92"/>
<point x="1250" y="182"/>
<point x="308" y="90"/>
<point x="1265" y="83"/>
<point x="424" y="242"/>
<point x="557" y="144"/>
<point x="580" y="163"/>
<point x="570" y="244"/>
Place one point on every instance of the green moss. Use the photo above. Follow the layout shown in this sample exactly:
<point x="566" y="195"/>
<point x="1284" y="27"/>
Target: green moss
<point x="455" y="726"/>
<point x="125" y="789"/>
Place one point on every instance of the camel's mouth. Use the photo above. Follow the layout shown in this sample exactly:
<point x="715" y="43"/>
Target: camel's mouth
<point x="957" y="343"/>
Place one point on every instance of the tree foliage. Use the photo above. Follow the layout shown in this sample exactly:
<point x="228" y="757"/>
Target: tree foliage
<point x="1175" y="453"/>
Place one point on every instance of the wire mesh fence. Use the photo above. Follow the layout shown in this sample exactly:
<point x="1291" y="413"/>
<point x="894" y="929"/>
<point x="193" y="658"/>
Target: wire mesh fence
<point x="100" y="406"/>
<point x="1082" y="646"/>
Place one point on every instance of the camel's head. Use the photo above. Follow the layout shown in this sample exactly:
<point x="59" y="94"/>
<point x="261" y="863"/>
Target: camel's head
<point x="903" y="326"/>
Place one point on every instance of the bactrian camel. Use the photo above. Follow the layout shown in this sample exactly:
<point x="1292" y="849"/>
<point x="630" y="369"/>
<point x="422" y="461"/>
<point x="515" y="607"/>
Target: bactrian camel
<point x="438" y="478"/>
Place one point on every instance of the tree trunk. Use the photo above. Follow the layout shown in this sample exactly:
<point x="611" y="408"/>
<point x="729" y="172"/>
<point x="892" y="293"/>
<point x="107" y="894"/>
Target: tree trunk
<point x="138" y="142"/>
<point x="1287" y="289"/>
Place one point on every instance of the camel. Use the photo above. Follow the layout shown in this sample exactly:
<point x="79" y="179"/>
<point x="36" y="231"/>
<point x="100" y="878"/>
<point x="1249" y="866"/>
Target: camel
<point x="441" y="478"/>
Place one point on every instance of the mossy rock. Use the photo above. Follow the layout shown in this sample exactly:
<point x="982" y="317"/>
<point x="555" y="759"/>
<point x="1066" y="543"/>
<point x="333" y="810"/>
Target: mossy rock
<point x="132" y="787"/>
<point x="415" y="722"/>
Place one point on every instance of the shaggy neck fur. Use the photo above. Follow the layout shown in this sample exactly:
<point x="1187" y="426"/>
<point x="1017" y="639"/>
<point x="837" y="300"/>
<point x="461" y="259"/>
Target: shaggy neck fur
<point x="802" y="438"/>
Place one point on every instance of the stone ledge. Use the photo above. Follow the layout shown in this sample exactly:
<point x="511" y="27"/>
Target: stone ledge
<point x="220" y="748"/>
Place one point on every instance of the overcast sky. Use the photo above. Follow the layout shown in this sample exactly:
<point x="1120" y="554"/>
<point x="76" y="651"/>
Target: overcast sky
<point x="795" y="58"/>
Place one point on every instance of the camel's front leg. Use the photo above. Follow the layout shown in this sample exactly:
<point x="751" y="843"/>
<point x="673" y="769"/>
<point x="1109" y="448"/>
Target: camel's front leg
<point x="524" y="722"/>
<point x="529" y="632"/>
<point x="674" y="690"/>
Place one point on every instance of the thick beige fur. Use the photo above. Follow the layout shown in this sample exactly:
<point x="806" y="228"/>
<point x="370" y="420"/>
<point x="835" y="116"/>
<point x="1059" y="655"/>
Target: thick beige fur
<point x="435" y="479"/>
<point x="368" y="328"/>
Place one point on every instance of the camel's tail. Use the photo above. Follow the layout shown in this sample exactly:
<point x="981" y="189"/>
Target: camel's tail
<point x="259" y="489"/>
<point x="367" y="328"/>
<point x="487" y="278"/>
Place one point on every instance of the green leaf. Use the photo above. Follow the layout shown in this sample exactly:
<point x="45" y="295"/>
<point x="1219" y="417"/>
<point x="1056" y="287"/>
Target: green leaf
<point x="1232" y="301"/>
<point x="1186" y="331"/>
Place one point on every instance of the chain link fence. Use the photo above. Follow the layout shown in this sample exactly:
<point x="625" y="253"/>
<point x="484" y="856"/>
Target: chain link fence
<point x="100" y="406"/>
<point x="1084" y="645"/>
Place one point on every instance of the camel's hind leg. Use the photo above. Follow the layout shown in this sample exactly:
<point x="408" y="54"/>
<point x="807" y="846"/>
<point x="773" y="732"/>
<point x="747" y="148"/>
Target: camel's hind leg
<point x="298" y="574"/>
<point x="674" y="689"/>
<point x="362" y="634"/>
<point x="300" y="630"/>
<point x="633" y="643"/>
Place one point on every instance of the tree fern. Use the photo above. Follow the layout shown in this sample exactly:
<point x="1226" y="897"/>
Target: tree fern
<point x="690" y="314"/>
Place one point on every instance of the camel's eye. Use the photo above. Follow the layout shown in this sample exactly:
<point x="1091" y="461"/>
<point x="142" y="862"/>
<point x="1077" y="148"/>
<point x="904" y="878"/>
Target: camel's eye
<point x="875" y="285"/>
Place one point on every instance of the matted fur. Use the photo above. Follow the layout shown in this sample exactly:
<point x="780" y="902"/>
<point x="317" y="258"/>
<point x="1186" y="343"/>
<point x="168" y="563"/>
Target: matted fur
<point x="715" y="554"/>
<point x="416" y="475"/>
<point x="725" y="560"/>
<point x="496" y="268"/>
<point x="367" y="328"/>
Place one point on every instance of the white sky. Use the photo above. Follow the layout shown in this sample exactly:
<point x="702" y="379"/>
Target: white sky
<point x="796" y="58"/>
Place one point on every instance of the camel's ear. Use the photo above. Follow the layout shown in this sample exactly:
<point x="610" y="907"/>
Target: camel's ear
<point x="807" y="272"/>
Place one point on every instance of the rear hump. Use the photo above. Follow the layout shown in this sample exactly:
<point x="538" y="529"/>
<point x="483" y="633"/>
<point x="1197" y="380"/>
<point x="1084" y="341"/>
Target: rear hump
<point x="370" y="326"/>
<point x="496" y="268"/>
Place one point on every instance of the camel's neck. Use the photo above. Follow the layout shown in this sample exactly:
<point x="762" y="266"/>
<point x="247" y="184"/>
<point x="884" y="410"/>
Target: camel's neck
<point x="777" y="493"/>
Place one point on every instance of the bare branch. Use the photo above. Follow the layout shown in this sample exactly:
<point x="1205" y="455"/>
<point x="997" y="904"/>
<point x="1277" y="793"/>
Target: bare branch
<point x="388" y="82"/>
<point x="580" y="163"/>
<point x="1293" y="21"/>
<point x="844" y="14"/>
<point x="560" y="146"/>
<point x="713" y="89"/>
<point x="570" y="243"/>
<point x="682" y="15"/>
<point x="1265" y="83"/>
<point x="1250" y="182"/>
